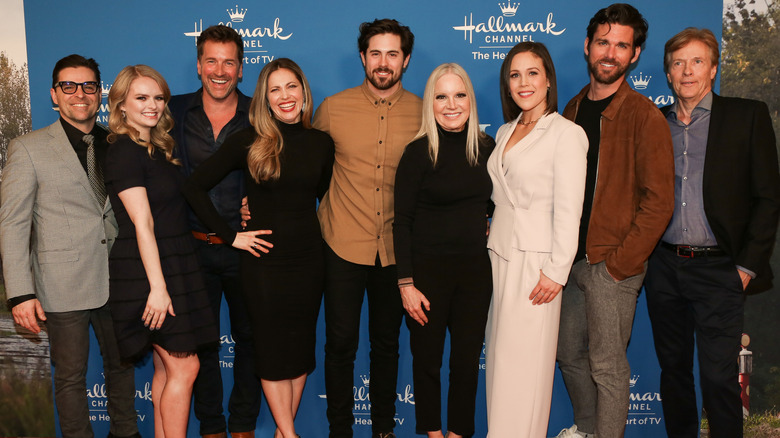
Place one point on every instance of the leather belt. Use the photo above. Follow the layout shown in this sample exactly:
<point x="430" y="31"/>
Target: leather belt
<point x="690" y="252"/>
<point x="210" y="238"/>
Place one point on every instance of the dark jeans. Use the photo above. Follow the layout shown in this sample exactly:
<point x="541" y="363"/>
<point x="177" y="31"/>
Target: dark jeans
<point x="345" y="285"/>
<point x="219" y="264"/>
<point x="459" y="288"/>
<point x="701" y="296"/>
<point x="69" y="341"/>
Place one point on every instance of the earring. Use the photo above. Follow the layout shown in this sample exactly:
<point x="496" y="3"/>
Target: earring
<point x="124" y="115"/>
<point x="303" y="107"/>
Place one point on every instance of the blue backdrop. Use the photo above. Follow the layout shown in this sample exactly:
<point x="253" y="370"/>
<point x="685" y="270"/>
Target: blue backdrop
<point x="321" y="37"/>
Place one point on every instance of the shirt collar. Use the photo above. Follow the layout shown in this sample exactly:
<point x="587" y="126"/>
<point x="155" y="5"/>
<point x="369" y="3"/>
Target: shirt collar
<point x="75" y="136"/>
<point x="376" y="101"/>
<point x="705" y="104"/>
<point x="243" y="101"/>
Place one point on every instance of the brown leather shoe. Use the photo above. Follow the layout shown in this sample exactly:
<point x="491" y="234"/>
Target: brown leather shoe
<point x="250" y="434"/>
<point x="215" y="435"/>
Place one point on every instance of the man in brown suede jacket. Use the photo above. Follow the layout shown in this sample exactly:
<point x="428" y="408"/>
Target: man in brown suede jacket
<point x="629" y="197"/>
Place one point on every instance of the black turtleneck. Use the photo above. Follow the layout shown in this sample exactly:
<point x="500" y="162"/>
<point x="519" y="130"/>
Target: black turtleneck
<point x="287" y="205"/>
<point x="440" y="210"/>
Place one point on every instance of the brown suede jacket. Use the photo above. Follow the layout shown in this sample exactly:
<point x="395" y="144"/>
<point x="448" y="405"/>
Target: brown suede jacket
<point x="634" y="197"/>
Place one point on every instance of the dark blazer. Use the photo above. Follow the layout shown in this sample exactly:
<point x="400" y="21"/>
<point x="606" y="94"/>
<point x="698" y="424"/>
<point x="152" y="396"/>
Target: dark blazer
<point x="741" y="183"/>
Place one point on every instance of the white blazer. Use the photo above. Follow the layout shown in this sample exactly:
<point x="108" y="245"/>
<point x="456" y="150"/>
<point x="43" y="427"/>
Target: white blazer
<point x="539" y="197"/>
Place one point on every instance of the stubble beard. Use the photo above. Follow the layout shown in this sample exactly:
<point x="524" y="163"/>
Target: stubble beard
<point x="606" y="78"/>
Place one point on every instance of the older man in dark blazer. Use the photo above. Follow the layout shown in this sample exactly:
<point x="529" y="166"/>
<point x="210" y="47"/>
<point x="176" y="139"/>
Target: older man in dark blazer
<point x="56" y="229"/>
<point x="718" y="243"/>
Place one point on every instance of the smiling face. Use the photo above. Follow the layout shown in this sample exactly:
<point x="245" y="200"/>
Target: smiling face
<point x="691" y="72"/>
<point x="528" y="85"/>
<point x="611" y="52"/>
<point x="219" y="69"/>
<point x="451" y="104"/>
<point x="143" y="106"/>
<point x="384" y="62"/>
<point x="285" y="95"/>
<point x="79" y="109"/>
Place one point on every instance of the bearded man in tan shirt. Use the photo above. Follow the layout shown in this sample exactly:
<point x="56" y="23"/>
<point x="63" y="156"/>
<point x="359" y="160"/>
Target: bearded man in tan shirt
<point x="371" y="125"/>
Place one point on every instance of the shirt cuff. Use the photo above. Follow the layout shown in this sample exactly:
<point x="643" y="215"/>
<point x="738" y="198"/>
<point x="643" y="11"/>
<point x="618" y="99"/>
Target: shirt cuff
<point x="747" y="271"/>
<point x="12" y="302"/>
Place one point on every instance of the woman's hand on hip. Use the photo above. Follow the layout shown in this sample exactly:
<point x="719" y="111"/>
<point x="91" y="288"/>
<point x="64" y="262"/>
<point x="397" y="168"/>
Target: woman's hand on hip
<point x="251" y="241"/>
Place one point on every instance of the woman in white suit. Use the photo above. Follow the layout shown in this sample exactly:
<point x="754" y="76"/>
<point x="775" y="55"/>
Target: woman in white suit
<point x="538" y="174"/>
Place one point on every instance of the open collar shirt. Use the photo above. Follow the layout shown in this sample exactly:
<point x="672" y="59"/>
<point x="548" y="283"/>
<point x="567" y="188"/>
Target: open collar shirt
<point x="689" y="225"/>
<point x="195" y="143"/>
<point x="370" y="134"/>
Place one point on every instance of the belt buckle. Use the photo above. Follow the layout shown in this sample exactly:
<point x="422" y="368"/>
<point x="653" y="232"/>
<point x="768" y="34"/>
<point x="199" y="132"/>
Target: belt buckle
<point x="208" y="238"/>
<point x="685" y="248"/>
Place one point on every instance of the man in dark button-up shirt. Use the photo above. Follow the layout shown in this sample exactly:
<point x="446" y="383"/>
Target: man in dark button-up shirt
<point x="718" y="243"/>
<point x="203" y="120"/>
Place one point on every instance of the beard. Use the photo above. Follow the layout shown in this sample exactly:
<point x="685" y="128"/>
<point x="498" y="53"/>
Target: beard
<point x="604" y="77"/>
<point x="383" y="83"/>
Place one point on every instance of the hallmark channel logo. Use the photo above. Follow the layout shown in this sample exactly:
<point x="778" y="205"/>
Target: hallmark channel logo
<point x="362" y="398"/>
<point x="642" y="82"/>
<point x="644" y="408"/>
<point x="504" y="30"/>
<point x="253" y="37"/>
<point x="102" y="116"/>
<point x="97" y="400"/>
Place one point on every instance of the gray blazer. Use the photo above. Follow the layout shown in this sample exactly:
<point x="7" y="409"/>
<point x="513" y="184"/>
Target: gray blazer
<point x="54" y="235"/>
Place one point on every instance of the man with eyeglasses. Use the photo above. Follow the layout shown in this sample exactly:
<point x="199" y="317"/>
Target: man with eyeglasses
<point x="56" y="230"/>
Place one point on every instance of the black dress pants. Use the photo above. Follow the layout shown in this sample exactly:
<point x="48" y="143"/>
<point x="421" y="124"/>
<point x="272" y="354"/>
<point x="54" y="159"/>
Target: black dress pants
<point x="346" y="284"/>
<point x="220" y="266"/>
<point x="701" y="296"/>
<point x="459" y="288"/>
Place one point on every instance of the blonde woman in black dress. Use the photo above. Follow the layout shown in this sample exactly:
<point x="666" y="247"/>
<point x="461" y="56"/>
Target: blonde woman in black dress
<point x="157" y="294"/>
<point x="287" y="167"/>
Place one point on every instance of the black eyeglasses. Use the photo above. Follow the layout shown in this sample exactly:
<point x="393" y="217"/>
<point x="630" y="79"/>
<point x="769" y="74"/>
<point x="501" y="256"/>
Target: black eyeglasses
<point x="68" y="87"/>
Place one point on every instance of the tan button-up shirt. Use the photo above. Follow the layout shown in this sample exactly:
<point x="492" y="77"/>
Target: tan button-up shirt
<point x="370" y="133"/>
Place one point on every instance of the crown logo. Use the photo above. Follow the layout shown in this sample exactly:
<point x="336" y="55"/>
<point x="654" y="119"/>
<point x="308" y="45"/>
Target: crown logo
<point x="104" y="89"/>
<point x="365" y="379"/>
<point x="237" y="15"/>
<point x="632" y="381"/>
<point x="508" y="9"/>
<point x="640" y="82"/>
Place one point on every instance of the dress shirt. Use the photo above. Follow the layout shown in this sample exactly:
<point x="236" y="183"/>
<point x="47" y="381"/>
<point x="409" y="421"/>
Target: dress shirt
<point x="196" y="143"/>
<point x="689" y="225"/>
<point x="76" y="139"/>
<point x="370" y="134"/>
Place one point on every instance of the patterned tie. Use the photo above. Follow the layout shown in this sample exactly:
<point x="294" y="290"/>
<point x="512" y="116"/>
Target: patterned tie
<point x="94" y="172"/>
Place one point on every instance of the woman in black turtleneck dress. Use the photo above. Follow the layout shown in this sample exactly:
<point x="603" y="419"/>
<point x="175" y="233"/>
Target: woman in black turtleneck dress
<point x="287" y="167"/>
<point x="442" y="199"/>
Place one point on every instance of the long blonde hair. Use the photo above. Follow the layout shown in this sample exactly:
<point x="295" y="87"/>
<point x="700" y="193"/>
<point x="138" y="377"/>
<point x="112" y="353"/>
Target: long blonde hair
<point x="160" y="139"/>
<point x="429" y="127"/>
<point x="263" y="158"/>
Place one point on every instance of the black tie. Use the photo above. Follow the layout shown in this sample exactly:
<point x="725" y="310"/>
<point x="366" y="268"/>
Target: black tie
<point x="94" y="172"/>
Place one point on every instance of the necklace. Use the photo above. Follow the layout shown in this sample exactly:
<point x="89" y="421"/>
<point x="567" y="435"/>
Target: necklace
<point x="528" y="123"/>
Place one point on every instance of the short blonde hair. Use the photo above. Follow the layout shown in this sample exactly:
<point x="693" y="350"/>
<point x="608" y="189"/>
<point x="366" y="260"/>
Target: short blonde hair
<point x="429" y="126"/>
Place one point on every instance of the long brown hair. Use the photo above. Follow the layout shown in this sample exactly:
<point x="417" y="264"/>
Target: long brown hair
<point x="263" y="157"/>
<point x="160" y="139"/>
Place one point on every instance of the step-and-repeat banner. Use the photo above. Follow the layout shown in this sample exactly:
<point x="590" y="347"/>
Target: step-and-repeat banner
<point x="321" y="37"/>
